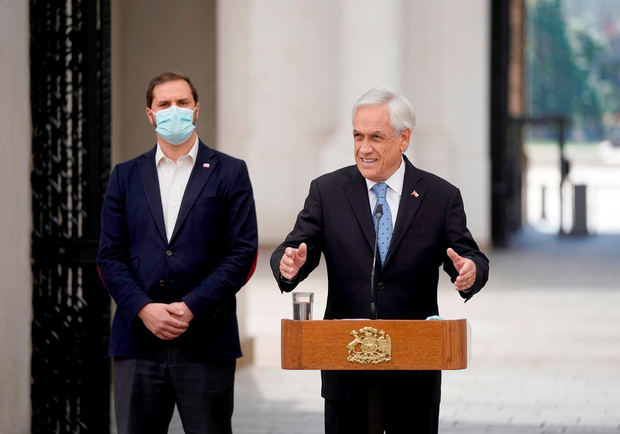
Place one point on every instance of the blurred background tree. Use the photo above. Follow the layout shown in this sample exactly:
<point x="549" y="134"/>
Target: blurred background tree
<point x="567" y="70"/>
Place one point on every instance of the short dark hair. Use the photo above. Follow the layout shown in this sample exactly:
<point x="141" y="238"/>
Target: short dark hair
<point x="168" y="76"/>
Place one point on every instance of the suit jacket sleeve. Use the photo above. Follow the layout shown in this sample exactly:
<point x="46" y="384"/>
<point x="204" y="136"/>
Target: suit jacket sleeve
<point x="240" y="250"/>
<point x="113" y="257"/>
<point x="461" y="240"/>
<point x="308" y="229"/>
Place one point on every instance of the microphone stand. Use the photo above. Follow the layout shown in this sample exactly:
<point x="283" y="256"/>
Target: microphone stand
<point x="375" y="394"/>
<point x="373" y="291"/>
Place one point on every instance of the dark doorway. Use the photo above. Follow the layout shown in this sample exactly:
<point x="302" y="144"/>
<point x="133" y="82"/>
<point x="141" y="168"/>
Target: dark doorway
<point x="507" y="17"/>
<point x="70" y="96"/>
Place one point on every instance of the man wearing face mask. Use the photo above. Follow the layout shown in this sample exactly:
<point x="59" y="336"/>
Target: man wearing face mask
<point x="178" y="240"/>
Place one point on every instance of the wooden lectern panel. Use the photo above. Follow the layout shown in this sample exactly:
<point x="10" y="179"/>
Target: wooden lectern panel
<point x="415" y="344"/>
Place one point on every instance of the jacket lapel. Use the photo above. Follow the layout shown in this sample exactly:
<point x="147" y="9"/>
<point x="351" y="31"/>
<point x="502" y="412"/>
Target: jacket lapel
<point x="150" y="182"/>
<point x="203" y="168"/>
<point x="410" y="200"/>
<point x="357" y="195"/>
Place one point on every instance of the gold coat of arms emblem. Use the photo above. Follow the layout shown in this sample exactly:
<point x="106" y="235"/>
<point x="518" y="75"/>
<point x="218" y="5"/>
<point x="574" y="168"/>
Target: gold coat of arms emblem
<point x="368" y="346"/>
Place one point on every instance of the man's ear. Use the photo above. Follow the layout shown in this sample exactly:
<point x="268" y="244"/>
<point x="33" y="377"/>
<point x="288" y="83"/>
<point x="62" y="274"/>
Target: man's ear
<point x="196" y="113"/>
<point x="151" y="116"/>
<point x="405" y="135"/>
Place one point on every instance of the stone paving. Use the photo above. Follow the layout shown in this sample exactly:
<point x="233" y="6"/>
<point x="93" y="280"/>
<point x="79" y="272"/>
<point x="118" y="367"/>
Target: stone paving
<point x="546" y="347"/>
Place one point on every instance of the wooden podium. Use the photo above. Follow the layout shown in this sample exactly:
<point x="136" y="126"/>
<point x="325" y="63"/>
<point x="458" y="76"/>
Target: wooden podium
<point x="375" y="345"/>
<point x="364" y="344"/>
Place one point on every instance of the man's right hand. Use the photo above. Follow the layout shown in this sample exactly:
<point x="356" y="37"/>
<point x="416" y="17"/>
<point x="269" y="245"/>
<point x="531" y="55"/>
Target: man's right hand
<point x="158" y="319"/>
<point x="292" y="260"/>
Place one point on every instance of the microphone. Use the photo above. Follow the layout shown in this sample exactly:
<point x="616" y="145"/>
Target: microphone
<point x="373" y="291"/>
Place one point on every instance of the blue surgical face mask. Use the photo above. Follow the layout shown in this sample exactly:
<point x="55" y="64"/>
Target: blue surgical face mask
<point x="174" y="124"/>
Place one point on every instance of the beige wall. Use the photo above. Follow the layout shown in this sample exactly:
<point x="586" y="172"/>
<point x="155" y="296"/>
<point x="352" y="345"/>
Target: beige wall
<point x="150" y="37"/>
<point x="15" y="221"/>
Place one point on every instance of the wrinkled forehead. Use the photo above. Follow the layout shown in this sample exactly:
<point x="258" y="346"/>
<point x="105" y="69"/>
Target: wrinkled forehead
<point x="372" y="118"/>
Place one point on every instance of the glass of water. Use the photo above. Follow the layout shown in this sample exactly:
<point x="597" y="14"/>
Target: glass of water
<point x="302" y="305"/>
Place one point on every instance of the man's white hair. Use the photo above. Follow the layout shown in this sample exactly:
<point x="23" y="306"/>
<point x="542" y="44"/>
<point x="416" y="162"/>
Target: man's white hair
<point x="399" y="108"/>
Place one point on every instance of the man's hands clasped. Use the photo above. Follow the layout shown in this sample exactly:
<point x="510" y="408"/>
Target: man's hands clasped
<point x="166" y="321"/>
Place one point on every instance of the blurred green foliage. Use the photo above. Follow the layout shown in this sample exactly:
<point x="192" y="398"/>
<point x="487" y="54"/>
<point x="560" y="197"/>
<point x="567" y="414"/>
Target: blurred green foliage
<point x="561" y="70"/>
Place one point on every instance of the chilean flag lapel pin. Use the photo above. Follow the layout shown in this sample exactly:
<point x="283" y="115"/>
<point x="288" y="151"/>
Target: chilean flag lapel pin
<point x="206" y="165"/>
<point x="415" y="194"/>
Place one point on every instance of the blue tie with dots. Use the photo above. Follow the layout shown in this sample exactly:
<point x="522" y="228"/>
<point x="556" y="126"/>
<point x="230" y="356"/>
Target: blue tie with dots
<point x="385" y="223"/>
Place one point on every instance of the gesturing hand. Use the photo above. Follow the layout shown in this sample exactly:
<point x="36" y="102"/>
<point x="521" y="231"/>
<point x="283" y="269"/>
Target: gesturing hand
<point x="292" y="260"/>
<point x="466" y="269"/>
<point x="158" y="319"/>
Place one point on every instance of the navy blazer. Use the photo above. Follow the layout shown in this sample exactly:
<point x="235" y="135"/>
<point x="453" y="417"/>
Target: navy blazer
<point x="210" y="256"/>
<point x="337" y="221"/>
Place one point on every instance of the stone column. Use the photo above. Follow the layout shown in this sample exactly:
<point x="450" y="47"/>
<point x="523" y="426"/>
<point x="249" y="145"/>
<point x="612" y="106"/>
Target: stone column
<point x="446" y="65"/>
<point x="370" y="46"/>
<point x="15" y="218"/>
<point x="276" y="63"/>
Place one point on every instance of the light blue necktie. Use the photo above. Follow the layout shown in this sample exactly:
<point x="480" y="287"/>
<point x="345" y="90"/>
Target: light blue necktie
<point x="385" y="223"/>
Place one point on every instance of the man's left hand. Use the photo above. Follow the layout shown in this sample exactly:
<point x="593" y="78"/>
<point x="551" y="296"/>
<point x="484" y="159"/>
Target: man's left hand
<point x="466" y="269"/>
<point x="180" y="311"/>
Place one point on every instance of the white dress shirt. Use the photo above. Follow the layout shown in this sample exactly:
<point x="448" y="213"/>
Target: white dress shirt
<point x="394" y="191"/>
<point x="173" y="179"/>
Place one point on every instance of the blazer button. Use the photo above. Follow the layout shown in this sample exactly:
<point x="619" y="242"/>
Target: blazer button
<point x="380" y="286"/>
<point x="168" y="252"/>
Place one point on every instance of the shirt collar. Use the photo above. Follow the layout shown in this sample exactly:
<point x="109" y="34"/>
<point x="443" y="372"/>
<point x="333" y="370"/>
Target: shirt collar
<point x="395" y="182"/>
<point x="193" y="152"/>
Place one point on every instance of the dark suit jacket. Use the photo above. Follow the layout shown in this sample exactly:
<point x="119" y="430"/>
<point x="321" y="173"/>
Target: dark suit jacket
<point x="336" y="220"/>
<point x="210" y="256"/>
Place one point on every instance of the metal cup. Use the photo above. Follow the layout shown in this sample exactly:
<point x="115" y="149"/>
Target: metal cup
<point x="302" y="305"/>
